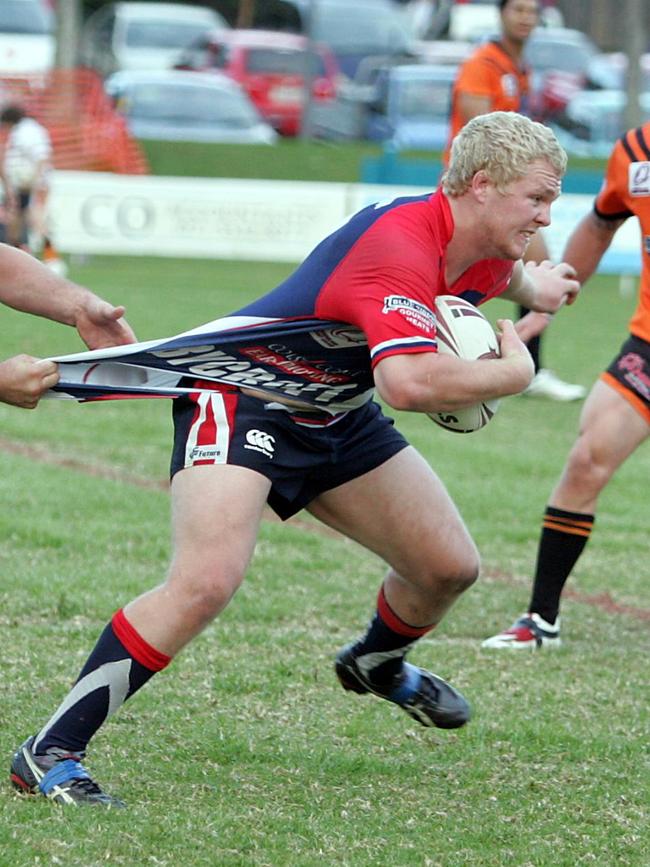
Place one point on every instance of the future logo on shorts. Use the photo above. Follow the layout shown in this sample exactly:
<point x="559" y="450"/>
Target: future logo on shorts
<point x="639" y="179"/>
<point x="205" y="453"/>
<point x="417" y="314"/>
<point x="259" y="441"/>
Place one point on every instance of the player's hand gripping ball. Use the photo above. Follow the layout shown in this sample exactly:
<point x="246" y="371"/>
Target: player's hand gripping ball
<point x="463" y="331"/>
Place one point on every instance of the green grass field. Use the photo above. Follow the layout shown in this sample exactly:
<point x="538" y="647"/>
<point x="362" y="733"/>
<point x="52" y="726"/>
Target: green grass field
<point x="246" y="751"/>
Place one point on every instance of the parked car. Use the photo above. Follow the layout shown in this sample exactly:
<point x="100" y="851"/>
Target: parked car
<point x="411" y="108"/>
<point x="132" y="35"/>
<point x="272" y="67"/>
<point x="353" y="29"/>
<point x="607" y="71"/>
<point x="172" y="105"/>
<point x="27" y="42"/>
<point x="404" y="105"/>
<point x="559" y="57"/>
<point x="593" y="120"/>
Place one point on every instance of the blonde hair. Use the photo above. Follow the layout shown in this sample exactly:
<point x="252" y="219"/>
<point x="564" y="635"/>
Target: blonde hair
<point x="502" y="144"/>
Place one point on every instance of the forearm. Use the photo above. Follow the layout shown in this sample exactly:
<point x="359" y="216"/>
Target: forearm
<point x="521" y="288"/>
<point x="434" y="382"/>
<point x="588" y="243"/>
<point x="28" y="286"/>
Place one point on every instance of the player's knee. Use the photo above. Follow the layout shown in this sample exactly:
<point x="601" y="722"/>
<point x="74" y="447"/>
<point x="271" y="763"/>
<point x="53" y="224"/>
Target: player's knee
<point x="457" y="575"/>
<point x="207" y="594"/>
<point x="467" y="572"/>
<point x="587" y="468"/>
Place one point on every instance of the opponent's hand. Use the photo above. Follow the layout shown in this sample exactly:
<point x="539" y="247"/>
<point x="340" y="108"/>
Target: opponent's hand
<point x="100" y="324"/>
<point x="515" y="353"/>
<point x="24" y="380"/>
<point x="555" y="285"/>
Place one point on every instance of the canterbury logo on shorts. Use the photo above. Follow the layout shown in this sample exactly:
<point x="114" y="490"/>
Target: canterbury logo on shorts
<point x="260" y="441"/>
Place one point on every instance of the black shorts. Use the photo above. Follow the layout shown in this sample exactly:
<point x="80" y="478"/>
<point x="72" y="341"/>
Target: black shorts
<point x="302" y="454"/>
<point x="629" y="374"/>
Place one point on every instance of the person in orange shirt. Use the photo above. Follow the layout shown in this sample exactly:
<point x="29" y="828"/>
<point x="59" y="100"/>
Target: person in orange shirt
<point x="615" y="419"/>
<point x="496" y="78"/>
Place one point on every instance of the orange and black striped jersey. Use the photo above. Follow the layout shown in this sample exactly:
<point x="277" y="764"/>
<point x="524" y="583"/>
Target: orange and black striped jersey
<point x="625" y="193"/>
<point x="490" y="72"/>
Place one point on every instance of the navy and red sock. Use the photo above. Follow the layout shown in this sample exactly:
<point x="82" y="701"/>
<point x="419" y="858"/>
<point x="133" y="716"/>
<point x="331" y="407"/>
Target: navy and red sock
<point x="119" y="665"/>
<point x="380" y="653"/>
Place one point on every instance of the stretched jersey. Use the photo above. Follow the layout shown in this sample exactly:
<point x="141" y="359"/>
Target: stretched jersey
<point x="625" y="193"/>
<point x="364" y="293"/>
<point x="489" y="72"/>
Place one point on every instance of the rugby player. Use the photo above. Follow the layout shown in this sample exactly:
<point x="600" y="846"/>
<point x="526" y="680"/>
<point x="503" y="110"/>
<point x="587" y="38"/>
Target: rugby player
<point x="615" y="419"/>
<point x="238" y="447"/>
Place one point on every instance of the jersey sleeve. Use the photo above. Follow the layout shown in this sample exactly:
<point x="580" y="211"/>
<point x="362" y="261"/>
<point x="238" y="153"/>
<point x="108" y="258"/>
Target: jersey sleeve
<point x="387" y="289"/>
<point x="611" y="201"/>
<point x="479" y="77"/>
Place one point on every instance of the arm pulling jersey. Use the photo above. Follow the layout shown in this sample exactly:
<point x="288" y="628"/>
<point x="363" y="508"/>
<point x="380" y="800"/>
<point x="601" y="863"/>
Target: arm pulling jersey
<point x="625" y="193"/>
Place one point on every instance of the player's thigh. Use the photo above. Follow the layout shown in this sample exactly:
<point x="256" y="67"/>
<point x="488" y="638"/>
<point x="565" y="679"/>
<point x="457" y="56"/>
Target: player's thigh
<point x="610" y="427"/>
<point x="216" y="512"/>
<point x="401" y="511"/>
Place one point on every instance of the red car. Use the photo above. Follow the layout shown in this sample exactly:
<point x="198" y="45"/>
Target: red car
<point x="271" y="67"/>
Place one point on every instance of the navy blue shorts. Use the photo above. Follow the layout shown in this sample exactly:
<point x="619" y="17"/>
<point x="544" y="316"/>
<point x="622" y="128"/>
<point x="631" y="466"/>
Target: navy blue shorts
<point x="302" y="454"/>
<point x="629" y="374"/>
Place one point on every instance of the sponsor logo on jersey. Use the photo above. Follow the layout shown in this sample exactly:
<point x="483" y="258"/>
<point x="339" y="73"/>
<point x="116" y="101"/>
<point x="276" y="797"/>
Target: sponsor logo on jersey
<point x="259" y="441"/>
<point x="296" y="366"/>
<point x="417" y="314"/>
<point x="339" y="338"/>
<point x="209" y="362"/>
<point x="205" y="453"/>
<point x="509" y="85"/>
<point x="639" y="179"/>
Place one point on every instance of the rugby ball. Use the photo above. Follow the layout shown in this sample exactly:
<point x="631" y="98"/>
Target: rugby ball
<point x="463" y="331"/>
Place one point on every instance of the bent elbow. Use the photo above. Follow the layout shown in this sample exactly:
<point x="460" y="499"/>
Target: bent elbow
<point x="402" y="395"/>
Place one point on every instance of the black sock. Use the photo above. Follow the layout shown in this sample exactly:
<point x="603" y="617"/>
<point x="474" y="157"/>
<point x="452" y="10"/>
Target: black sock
<point x="120" y="663"/>
<point x="385" y="644"/>
<point x="534" y="344"/>
<point x="564" y="536"/>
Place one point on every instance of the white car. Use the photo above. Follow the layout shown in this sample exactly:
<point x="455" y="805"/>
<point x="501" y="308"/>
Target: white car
<point x="27" y="42"/>
<point x="175" y="105"/>
<point x="127" y="35"/>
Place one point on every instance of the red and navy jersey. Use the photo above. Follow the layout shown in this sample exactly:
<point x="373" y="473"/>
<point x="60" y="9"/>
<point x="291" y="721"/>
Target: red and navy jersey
<point x="366" y="292"/>
<point x="381" y="272"/>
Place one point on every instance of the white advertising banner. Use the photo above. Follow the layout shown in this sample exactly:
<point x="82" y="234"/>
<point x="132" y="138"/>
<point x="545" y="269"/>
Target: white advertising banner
<point x="95" y="212"/>
<point x="277" y="221"/>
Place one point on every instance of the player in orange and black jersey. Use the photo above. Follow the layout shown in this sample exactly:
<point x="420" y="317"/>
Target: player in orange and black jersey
<point x="615" y="419"/>
<point x="495" y="77"/>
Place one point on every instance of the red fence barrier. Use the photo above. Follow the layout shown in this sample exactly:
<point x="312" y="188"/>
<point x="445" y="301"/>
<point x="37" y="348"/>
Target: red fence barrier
<point x="87" y="133"/>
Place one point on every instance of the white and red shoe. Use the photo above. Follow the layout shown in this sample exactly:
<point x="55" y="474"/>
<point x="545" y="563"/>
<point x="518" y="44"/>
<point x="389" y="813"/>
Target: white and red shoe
<point x="529" y="631"/>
